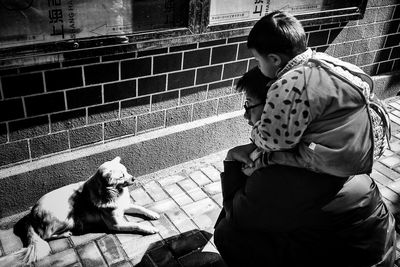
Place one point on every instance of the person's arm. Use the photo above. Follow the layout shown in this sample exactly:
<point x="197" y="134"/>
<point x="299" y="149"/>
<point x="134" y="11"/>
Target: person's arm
<point x="286" y="113"/>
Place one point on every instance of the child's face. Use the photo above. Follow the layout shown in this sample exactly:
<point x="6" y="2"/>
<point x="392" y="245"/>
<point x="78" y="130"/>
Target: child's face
<point x="267" y="64"/>
<point x="253" y="109"/>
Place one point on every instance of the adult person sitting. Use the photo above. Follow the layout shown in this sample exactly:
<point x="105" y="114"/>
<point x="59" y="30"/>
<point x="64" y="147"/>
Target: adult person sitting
<point x="303" y="205"/>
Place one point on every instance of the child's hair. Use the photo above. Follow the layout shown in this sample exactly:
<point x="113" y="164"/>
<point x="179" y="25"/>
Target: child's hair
<point x="278" y="32"/>
<point x="253" y="83"/>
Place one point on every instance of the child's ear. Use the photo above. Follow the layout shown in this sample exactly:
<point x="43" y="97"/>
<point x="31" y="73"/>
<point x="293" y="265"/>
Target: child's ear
<point x="276" y="59"/>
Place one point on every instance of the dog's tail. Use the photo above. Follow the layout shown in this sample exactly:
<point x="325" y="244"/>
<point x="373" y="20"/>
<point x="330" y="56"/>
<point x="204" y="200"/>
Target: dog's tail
<point x="36" y="250"/>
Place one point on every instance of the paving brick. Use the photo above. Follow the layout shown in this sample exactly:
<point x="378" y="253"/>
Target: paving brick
<point x="64" y="258"/>
<point x="390" y="195"/>
<point x="386" y="171"/>
<point x="180" y="220"/>
<point x="155" y="191"/>
<point x="212" y="173"/>
<point x="111" y="249"/>
<point x="395" y="186"/>
<point x="218" y="198"/>
<point x="213" y="188"/>
<point x="90" y="255"/>
<point x="141" y="197"/>
<point x="129" y="237"/>
<point x="58" y="245"/>
<point x="395" y="146"/>
<point x="199" y="178"/>
<point x="83" y="239"/>
<point x="178" y="194"/>
<point x="135" y="249"/>
<point x="203" y="212"/>
<point x="146" y="261"/>
<point x="10" y="241"/>
<point x="172" y="179"/>
<point x="394" y="118"/>
<point x="387" y="153"/>
<point x="192" y="189"/>
<point x="396" y="105"/>
<point x="219" y="165"/>
<point x="162" y="256"/>
<point x="163" y="206"/>
<point x="390" y="161"/>
<point x="165" y="227"/>
<point x="380" y="178"/>
<point x="198" y="258"/>
<point x="187" y="242"/>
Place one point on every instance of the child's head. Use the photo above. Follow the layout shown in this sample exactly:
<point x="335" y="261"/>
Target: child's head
<point x="254" y="85"/>
<point x="275" y="39"/>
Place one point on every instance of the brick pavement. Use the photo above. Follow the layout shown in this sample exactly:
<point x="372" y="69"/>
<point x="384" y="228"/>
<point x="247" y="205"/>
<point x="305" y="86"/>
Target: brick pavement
<point x="189" y="198"/>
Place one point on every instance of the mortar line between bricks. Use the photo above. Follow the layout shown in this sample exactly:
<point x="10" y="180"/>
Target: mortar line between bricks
<point x="179" y="206"/>
<point x="3" y="252"/>
<point x="78" y="256"/>
<point x="183" y="190"/>
<point x="118" y="243"/>
<point x="144" y="189"/>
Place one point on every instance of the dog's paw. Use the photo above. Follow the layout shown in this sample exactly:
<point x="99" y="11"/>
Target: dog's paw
<point x="153" y="215"/>
<point x="148" y="229"/>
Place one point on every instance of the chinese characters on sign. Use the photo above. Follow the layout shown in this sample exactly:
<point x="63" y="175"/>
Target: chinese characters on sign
<point x="37" y="21"/>
<point x="228" y="11"/>
<point x="56" y="17"/>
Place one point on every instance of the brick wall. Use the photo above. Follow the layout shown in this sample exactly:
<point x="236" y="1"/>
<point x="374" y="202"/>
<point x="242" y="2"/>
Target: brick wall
<point x="96" y="95"/>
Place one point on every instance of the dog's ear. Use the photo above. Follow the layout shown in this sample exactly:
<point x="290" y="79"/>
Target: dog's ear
<point x="117" y="159"/>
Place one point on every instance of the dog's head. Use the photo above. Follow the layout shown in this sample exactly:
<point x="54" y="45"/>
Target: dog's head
<point x="114" y="175"/>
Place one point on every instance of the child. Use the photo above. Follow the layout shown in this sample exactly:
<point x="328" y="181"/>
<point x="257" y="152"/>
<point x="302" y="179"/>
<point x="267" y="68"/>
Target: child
<point x="312" y="118"/>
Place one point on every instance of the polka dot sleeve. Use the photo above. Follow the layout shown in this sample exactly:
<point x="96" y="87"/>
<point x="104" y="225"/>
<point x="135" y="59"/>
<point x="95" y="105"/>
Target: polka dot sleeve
<point x="286" y="113"/>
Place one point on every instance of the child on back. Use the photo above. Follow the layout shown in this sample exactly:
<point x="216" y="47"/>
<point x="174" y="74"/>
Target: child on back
<point x="312" y="118"/>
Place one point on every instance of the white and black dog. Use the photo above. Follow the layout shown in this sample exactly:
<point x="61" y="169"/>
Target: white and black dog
<point x="97" y="203"/>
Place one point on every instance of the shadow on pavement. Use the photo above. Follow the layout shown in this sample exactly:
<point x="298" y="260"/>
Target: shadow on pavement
<point x="183" y="250"/>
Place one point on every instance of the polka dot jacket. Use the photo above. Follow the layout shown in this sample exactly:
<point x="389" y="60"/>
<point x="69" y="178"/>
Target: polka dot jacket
<point x="315" y="120"/>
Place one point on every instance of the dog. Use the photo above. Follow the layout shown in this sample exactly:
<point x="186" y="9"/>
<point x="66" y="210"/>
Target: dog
<point x="98" y="203"/>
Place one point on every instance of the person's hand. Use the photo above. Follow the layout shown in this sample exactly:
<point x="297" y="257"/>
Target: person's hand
<point x="258" y="164"/>
<point x="241" y="154"/>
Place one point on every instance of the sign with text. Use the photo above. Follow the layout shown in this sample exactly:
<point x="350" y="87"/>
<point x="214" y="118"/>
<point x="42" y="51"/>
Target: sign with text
<point x="34" y="21"/>
<point x="228" y="11"/>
